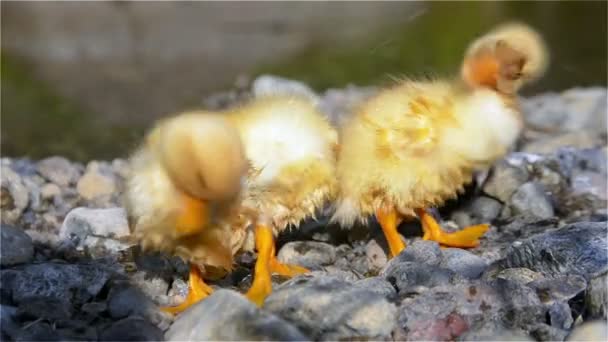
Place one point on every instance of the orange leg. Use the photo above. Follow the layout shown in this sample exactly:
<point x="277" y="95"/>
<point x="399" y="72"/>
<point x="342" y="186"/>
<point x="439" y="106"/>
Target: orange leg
<point x="197" y="291"/>
<point x="266" y="264"/>
<point x="466" y="238"/>
<point x="193" y="216"/>
<point x="389" y="220"/>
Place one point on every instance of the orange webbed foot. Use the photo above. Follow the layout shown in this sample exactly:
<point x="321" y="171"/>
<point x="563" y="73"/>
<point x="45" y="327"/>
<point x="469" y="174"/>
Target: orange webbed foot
<point x="468" y="237"/>
<point x="197" y="291"/>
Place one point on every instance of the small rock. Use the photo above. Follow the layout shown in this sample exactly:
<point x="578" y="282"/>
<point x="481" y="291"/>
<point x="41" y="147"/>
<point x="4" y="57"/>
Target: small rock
<point x="330" y="309"/>
<point x="131" y="329"/>
<point x="125" y="300"/>
<point x="59" y="171"/>
<point x="14" y="195"/>
<point x="463" y="262"/>
<point x="97" y="181"/>
<point x="96" y="230"/>
<point x="82" y="222"/>
<point x="590" y="331"/>
<point x="227" y="315"/>
<point x="375" y="255"/>
<point x="48" y="308"/>
<point x="531" y="199"/>
<point x="504" y="180"/>
<point x="578" y="248"/>
<point x="267" y="85"/>
<point x="309" y="254"/>
<point x="17" y="247"/>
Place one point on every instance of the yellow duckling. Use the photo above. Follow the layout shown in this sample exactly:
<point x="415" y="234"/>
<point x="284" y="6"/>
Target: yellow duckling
<point x="417" y="144"/>
<point x="278" y="151"/>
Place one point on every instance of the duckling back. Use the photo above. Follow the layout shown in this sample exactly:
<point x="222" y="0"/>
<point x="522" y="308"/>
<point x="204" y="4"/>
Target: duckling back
<point x="291" y="149"/>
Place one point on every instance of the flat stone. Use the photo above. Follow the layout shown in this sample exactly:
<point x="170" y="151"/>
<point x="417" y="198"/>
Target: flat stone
<point x="17" y="247"/>
<point x="227" y="315"/>
<point x="413" y="277"/>
<point x="309" y="254"/>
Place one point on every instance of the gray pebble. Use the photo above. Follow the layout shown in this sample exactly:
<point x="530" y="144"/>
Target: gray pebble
<point x="463" y="262"/>
<point x="504" y="180"/>
<point x="532" y="199"/>
<point x="17" y="247"/>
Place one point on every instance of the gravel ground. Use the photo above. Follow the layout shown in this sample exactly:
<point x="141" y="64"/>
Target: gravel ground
<point x="69" y="271"/>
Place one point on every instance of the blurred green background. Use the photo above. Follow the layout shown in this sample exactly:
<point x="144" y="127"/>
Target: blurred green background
<point x="55" y="101"/>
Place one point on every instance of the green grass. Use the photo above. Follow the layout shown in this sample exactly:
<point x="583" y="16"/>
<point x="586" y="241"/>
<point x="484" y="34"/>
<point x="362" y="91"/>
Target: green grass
<point x="36" y="122"/>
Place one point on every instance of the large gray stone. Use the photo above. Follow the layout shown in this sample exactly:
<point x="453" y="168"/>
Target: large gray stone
<point x="227" y="315"/>
<point x="578" y="248"/>
<point x="76" y="283"/>
<point x="504" y="179"/>
<point x="326" y="308"/>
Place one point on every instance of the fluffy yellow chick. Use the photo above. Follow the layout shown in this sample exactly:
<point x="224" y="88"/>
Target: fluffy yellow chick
<point x="184" y="181"/>
<point x="417" y="144"/>
<point x="288" y="151"/>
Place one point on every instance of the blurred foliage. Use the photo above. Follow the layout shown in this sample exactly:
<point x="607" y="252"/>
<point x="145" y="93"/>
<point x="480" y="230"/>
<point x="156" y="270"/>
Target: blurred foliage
<point x="47" y="124"/>
<point x="429" y="42"/>
<point x="433" y="41"/>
